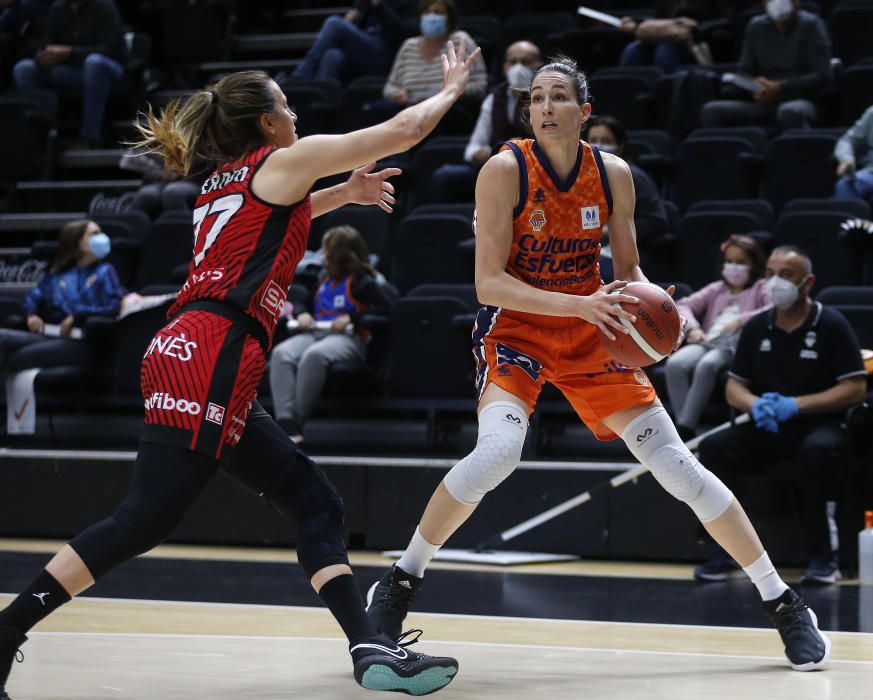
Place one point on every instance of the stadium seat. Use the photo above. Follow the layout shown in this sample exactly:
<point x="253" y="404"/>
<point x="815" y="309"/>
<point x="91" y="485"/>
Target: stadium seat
<point x="168" y="246"/>
<point x="714" y="167"/>
<point x="354" y="107"/>
<point x="817" y="233"/>
<point x="431" y="154"/>
<point x="463" y="292"/>
<point x="860" y="317"/>
<point x="535" y="27"/>
<point x="855" y="86"/>
<point x="698" y="240"/>
<point x="798" y="164"/>
<point x="849" y="25"/>
<point x="371" y="222"/>
<point x="761" y="209"/>
<point x="426" y="251"/>
<point x="627" y="97"/>
<point x="850" y="207"/>
<point x="841" y="295"/>
<point x="430" y="349"/>
<point x="592" y="48"/>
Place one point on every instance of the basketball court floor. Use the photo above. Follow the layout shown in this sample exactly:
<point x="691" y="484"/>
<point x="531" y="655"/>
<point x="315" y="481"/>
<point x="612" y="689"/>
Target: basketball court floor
<point x="194" y="622"/>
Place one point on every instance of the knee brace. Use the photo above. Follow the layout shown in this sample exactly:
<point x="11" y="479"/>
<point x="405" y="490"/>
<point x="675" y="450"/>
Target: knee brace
<point x="502" y="429"/>
<point x="305" y="494"/>
<point x="652" y="439"/>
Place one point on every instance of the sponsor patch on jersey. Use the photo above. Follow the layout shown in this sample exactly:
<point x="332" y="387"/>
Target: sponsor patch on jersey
<point x="537" y="219"/>
<point x="509" y="356"/>
<point x="273" y="299"/>
<point x="641" y="377"/>
<point x="215" y="413"/>
<point x="591" y="217"/>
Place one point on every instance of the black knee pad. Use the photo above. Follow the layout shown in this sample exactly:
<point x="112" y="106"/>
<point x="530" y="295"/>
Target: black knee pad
<point x="305" y="494"/>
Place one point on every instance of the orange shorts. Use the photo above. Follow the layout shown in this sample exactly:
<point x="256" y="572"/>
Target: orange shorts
<point x="520" y="352"/>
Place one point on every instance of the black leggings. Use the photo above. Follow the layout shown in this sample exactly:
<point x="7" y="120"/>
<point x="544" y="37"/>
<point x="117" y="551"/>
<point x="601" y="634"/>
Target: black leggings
<point x="167" y="480"/>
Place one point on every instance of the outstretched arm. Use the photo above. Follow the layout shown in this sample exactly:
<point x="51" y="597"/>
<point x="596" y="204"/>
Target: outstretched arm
<point x="362" y="187"/>
<point x="288" y="174"/>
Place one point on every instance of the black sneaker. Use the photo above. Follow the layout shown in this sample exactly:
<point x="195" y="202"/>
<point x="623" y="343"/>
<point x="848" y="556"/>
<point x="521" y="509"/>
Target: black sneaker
<point x="388" y="600"/>
<point x="10" y="641"/>
<point x="806" y="647"/>
<point x="381" y="664"/>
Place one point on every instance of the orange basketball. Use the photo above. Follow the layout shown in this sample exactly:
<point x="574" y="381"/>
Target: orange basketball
<point x="654" y="334"/>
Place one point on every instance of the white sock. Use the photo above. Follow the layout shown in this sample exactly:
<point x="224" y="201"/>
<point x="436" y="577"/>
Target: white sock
<point x="766" y="580"/>
<point x="417" y="555"/>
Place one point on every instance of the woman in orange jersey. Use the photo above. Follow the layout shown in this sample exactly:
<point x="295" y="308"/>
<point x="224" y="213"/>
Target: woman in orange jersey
<point x="541" y="205"/>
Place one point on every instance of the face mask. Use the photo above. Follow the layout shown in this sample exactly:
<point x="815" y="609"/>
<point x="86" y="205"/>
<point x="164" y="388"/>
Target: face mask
<point x="432" y="25"/>
<point x="100" y="245"/>
<point x="607" y="148"/>
<point x="735" y="274"/>
<point x="779" y="10"/>
<point x="782" y="293"/>
<point x="519" y="75"/>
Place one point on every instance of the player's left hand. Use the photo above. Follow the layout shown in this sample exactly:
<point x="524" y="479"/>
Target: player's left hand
<point x="682" y="322"/>
<point x="364" y="187"/>
<point x="784" y="407"/>
<point x="338" y="325"/>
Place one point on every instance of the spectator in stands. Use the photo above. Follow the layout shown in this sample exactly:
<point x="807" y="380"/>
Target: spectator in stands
<point x="21" y="22"/>
<point x="298" y="366"/>
<point x="500" y="119"/>
<point x="650" y="216"/>
<point x="417" y="70"/>
<point x="79" y="284"/>
<point x="787" y="52"/>
<point x="715" y="316"/>
<point x="856" y="147"/>
<point x="797" y="369"/>
<point x="362" y="42"/>
<point x="83" y="51"/>
<point x="666" y="40"/>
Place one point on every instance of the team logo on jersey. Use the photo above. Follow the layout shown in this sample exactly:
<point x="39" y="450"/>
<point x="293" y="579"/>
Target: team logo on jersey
<point x="508" y="356"/>
<point x="273" y="299"/>
<point x="810" y="339"/>
<point x="590" y="217"/>
<point x="766" y="345"/>
<point x="539" y="196"/>
<point x="215" y="413"/>
<point x="537" y="219"/>
<point x="641" y="377"/>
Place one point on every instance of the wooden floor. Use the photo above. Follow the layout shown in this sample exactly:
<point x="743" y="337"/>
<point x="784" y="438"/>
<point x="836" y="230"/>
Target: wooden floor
<point x="97" y="649"/>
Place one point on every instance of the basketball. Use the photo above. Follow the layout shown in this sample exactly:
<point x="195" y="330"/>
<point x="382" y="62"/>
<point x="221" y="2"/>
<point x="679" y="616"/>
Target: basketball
<point x="654" y="334"/>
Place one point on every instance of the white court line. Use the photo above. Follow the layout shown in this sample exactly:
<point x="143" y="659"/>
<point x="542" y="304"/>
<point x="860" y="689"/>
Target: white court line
<point x="502" y="645"/>
<point x="464" y="616"/>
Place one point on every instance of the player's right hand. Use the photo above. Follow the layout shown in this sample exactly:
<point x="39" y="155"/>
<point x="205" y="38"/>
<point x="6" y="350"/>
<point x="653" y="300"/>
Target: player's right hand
<point x="603" y="308"/>
<point x="456" y="70"/>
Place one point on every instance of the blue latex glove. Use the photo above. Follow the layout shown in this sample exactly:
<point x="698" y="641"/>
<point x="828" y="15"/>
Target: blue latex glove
<point x="784" y="407"/>
<point x="765" y="415"/>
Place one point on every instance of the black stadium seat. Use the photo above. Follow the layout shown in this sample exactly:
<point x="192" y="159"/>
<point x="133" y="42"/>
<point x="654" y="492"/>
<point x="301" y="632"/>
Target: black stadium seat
<point x="761" y="209"/>
<point x="850" y="207"/>
<point x="426" y="251"/>
<point x="714" y="167"/>
<point x="798" y="164"/>
<point x="841" y="295"/>
<point x="698" y="240"/>
<point x="860" y="317"/>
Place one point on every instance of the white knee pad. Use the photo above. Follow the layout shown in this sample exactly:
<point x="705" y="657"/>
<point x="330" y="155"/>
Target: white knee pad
<point x="653" y="440"/>
<point x="502" y="428"/>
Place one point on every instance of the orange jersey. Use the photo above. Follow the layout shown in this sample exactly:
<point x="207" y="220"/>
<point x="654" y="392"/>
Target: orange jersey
<point x="557" y="225"/>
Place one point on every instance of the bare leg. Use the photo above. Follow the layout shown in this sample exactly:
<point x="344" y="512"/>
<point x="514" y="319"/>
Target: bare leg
<point x="322" y="576"/>
<point x="70" y="571"/>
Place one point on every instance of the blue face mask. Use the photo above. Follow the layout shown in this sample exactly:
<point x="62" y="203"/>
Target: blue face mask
<point x="100" y="245"/>
<point x="432" y="25"/>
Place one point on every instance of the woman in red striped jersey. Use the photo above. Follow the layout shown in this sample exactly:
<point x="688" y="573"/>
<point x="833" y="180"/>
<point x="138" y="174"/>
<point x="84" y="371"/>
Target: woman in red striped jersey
<point x="200" y="374"/>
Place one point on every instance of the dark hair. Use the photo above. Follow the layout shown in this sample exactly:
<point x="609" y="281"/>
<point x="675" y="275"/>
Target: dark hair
<point x="567" y="66"/>
<point x="451" y="12"/>
<point x="754" y="250"/>
<point x="613" y="124"/>
<point x="68" y="245"/>
<point x="219" y="125"/>
<point x="345" y="252"/>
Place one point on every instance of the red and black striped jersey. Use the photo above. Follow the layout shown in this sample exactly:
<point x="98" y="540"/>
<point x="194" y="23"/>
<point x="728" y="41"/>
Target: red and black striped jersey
<point x="245" y="249"/>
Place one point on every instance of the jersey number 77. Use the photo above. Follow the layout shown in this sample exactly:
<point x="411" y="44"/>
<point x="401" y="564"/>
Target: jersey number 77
<point x="223" y="209"/>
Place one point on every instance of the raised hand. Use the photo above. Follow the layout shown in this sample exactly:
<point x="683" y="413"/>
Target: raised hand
<point x="456" y="68"/>
<point x="365" y="187"/>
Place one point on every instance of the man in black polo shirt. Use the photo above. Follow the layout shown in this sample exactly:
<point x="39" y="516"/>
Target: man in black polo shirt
<point x="797" y="369"/>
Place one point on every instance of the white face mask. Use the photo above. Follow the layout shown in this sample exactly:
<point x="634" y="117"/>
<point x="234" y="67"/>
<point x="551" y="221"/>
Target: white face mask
<point x="519" y="76"/>
<point x="779" y="10"/>
<point x="782" y="292"/>
<point x="735" y="274"/>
